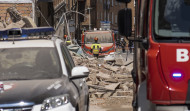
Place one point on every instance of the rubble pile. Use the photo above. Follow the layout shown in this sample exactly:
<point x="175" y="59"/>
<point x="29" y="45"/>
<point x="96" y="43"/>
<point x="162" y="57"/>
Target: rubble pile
<point x="106" y="79"/>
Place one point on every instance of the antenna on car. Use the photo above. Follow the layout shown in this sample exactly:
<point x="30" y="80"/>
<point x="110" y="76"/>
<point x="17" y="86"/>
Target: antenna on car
<point x="13" y="37"/>
<point x="15" y="32"/>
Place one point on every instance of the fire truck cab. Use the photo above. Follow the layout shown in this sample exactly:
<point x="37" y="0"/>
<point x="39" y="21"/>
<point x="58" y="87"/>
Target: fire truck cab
<point x="161" y="71"/>
<point x="105" y="38"/>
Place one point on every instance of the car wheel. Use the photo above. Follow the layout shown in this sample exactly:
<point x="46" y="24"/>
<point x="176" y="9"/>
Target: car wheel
<point x="87" y="105"/>
<point x="77" y="108"/>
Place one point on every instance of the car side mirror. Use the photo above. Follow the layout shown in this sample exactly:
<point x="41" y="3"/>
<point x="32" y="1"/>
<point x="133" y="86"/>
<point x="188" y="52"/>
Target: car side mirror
<point x="125" y="22"/>
<point x="79" y="72"/>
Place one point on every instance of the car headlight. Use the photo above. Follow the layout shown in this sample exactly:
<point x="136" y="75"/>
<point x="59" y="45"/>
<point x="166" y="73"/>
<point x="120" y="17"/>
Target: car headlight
<point x="54" y="102"/>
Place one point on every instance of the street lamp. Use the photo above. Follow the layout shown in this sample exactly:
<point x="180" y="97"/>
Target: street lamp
<point x="89" y="18"/>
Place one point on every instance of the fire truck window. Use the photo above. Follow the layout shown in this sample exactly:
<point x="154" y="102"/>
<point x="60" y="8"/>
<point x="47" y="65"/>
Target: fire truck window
<point x="187" y="2"/>
<point x="102" y="38"/>
<point x="172" y="18"/>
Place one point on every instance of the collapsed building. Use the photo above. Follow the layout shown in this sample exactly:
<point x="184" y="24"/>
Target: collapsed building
<point x="26" y="13"/>
<point x="107" y="79"/>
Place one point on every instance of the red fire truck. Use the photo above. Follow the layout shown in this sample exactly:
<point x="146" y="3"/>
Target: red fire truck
<point x="161" y="61"/>
<point x="105" y="38"/>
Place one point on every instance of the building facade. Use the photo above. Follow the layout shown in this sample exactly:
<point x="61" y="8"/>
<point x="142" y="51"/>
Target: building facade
<point x="105" y="11"/>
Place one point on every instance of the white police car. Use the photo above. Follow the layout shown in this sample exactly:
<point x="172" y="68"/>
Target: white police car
<point x="39" y="74"/>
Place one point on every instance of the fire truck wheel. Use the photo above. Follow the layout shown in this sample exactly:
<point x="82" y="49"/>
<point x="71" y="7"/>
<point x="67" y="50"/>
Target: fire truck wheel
<point x="134" y="103"/>
<point x="143" y="104"/>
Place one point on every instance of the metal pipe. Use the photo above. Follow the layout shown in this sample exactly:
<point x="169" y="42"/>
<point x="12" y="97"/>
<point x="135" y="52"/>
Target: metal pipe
<point x="34" y="10"/>
<point x="89" y="20"/>
<point x="67" y="25"/>
<point x="64" y="14"/>
<point x="68" y="28"/>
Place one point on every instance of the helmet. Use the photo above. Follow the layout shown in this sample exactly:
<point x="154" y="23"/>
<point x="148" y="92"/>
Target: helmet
<point x="96" y="38"/>
<point x="65" y="36"/>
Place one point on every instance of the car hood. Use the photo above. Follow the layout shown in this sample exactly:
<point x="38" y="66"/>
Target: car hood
<point x="35" y="91"/>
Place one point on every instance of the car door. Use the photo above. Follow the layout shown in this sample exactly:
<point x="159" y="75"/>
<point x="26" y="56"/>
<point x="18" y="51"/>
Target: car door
<point x="79" y="83"/>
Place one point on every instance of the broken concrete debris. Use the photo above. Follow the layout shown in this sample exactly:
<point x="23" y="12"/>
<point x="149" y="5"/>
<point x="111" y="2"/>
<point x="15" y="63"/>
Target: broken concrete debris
<point x="106" y="80"/>
<point x="18" y="24"/>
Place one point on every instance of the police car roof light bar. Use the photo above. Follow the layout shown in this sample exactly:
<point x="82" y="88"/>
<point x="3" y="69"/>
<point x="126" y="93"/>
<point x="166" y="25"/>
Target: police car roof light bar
<point x="26" y="32"/>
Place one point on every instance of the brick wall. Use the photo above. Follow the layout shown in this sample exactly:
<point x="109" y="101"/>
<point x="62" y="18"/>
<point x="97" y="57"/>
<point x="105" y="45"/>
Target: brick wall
<point x="24" y="8"/>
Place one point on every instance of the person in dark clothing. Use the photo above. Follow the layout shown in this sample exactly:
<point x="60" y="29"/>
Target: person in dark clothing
<point x="117" y="43"/>
<point x="130" y="45"/>
<point x="123" y="44"/>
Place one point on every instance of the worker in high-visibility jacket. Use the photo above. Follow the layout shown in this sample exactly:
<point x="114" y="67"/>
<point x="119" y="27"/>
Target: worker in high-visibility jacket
<point x="65" y="37"/>
<point x="68" y="41"/>
<point x="96" y="48"/>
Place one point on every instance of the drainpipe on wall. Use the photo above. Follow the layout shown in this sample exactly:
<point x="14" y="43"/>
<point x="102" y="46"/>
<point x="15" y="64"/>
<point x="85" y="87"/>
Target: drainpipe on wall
<point x="34" y="10"/>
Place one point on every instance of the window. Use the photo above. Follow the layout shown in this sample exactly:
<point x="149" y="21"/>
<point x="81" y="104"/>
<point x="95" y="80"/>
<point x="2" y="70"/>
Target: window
<point x="97" y="15"/>
<point x="116" y="3"/>
<point x="68" y="59"/>
<point x="105" y="16"/>
<point x="108" y="5"/>
<point x="112" y="3"/>
<point x="112" y="18"/>
<point x="172" y="20"/>
<point x="115" y="18"/>
<point x="101" y="15"/>
<point x="102" y="38"/>
<point x="29" y="63"/>
<point x="108" y="17"/>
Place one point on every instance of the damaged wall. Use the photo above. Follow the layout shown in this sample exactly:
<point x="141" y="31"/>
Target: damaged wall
<point x="24" y="8"/>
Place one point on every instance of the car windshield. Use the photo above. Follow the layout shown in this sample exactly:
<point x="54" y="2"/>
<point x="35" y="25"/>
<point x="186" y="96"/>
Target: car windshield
<point x="102" y="37"/>
<point x="29" y="64"/>
<point x="172" y="19"/>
